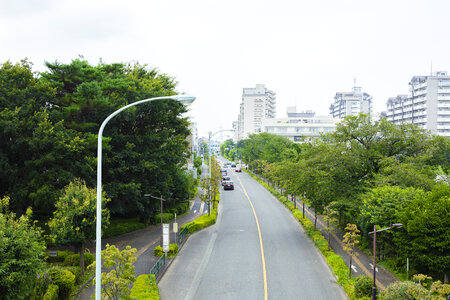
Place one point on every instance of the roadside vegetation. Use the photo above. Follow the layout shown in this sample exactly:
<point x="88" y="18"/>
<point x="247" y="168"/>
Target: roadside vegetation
<point x="48" y="131"/>
<point x="368" y="173"/>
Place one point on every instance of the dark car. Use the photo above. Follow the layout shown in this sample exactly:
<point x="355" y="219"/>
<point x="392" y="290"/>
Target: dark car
<point x="233" y="165"/>
<point x="228" y="185"/>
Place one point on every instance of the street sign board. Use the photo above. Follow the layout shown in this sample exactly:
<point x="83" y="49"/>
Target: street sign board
<point x="175" y="227"/>
<point x="166" y="238"/>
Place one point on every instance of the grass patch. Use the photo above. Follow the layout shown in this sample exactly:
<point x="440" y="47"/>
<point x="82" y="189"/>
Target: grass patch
<point x="145" y="288"/>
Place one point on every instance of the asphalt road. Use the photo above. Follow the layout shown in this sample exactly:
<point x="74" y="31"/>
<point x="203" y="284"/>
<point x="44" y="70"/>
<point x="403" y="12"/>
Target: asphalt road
<point x="234" y="259"/>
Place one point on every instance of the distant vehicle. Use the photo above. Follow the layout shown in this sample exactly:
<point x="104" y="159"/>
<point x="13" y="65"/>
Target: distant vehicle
<point x="224" y="172"/>
<point x="228" y="185"/>
<point x="238" y="169"/>
<point x="225" y="179"/>
<point x="233" y="165"/>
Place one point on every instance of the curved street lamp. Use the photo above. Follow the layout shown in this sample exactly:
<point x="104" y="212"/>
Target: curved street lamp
<point x="98" y="257"/>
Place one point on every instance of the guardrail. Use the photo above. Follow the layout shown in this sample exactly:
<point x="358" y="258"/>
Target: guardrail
<point x="157" y="267"/>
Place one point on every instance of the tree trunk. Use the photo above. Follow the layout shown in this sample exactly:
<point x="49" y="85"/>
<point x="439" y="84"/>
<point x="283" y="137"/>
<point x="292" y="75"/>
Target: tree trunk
<point x="445" y="278"/>
<point x="82" y="259"/>
<point x="350" y="268"/>
<point x="315" y="219"/>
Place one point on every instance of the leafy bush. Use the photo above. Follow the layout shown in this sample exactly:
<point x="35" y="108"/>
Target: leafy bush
<point x="59" y="258"/>
<point x="52" y="292"/>
<point x="75" y="270"/>
<point x="64" y="279"/>
<point x="167" y="217"/>
<point x="158" y="251"/>
<point x="402" y="290"/>
<point x="122" y="226"/>
<point x="74" y="259"/>
<point x="173" y="250"/>
<point x="144" y="288"/>
<point x="40" y="286"/>
<point x="363" y="286"/>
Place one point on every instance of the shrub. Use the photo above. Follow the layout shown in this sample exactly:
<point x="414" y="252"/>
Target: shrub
<point x="74" y="259"/>
<point x="64" y="279"/>
<point x="75" y="270"/>
<point x="363" y="286"/>
<point x="52" y="292"/>
<point x="158" y="251"/>
<point x="40" y="286"/>
<point x="144" y="288"/>
<point x="59" y="258"/>
<point x="167" y="217"/>
<point x="402" y="290"/>
<point x="173" y="250"/>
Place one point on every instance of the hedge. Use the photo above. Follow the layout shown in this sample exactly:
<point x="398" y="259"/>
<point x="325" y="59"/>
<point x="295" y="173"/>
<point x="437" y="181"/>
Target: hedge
<point x="144" y="289"/>
<point x="52" y="292"/>
<point x="64" y="279"/>
<point x="336" y="263"/>
<point x="59" y="258"/>
<point x="202" y="221"/>
<point x="173" y="250"/>
<point x="74" y="259"/>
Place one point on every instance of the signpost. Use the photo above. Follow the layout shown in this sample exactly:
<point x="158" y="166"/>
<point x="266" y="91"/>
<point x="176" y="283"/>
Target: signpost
<point x="166" y="239"/>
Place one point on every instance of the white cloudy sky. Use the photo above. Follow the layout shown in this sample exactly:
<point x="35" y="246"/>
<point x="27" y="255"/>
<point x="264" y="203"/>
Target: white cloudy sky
<point x="305" y="51"/>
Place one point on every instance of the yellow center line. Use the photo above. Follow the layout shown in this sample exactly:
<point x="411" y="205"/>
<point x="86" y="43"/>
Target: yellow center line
<point x="260" y="240"/>
<point x="355" y="259"/>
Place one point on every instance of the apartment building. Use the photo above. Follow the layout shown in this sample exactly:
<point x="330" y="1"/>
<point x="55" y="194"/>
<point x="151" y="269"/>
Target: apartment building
<point x="300" y="126"/>
<point x="427" y="104"/>
<point x="257" y="103"/>
<point x="351" y="103"/>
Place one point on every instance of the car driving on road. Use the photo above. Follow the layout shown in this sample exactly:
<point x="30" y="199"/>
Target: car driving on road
<point x="228" y="185"/>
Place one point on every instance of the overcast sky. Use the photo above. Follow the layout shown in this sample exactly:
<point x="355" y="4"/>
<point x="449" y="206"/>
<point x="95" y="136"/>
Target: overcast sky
<point x="305" y="51"/>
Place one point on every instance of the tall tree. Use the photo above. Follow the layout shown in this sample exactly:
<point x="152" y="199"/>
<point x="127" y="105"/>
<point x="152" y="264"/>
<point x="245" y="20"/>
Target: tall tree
<point x="74" y="220"/>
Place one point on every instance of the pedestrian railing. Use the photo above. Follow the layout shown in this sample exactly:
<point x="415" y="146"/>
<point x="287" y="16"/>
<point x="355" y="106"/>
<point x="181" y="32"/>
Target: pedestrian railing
<point x="157" y="267"/>
<point x="182" y="234"/>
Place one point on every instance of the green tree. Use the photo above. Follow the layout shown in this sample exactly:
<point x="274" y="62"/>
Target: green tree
<point x="350" y="241"/>
<point x="116" y="283"/>
<point x="21" y="253"/>
<point x="74" y="220"/>
<point x="428" y="234"/>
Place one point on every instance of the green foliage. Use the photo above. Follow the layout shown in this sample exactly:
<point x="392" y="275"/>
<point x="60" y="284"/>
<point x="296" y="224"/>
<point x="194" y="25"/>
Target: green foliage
<point x="64" y="279"/>
<point x="173" y="250"/>
<point x="21" y="253"/>
<point x="41" y="285"/>
<point x="120" y="226"/>
<point x="52" y="292"/>
<point x="158" y="251"/>
<point x="401" y="290"/>
<point x="74" y="259"/>
<point x="145" y="288"/>
<point x="59" y="258"/>
<point x="116" y="283"/>
<point x="74" y="221"/>
<point x="75" y="270"/>
<point x="363" y="286"/>
<point x="167" y="217"/>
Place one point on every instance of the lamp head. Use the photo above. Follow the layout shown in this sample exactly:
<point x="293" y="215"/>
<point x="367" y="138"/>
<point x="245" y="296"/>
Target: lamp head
<point x="184" y="99"/>
<point x="396" y="225"/>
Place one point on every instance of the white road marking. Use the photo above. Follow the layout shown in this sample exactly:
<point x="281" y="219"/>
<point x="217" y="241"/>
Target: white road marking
<point x="354" y="269"/>
<point x="371" y="266"/>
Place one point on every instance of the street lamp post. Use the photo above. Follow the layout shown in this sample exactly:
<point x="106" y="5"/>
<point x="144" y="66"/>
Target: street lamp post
<point x="374" y="232"/>
<point x="98" y="256"/>
<point x="160" y="198"/>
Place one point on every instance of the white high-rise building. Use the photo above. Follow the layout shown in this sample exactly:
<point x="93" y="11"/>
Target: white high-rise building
<point x="351" y="103"/>
<point x="426" y="105"/>
<point x="300" y="126"/>
<point x="257" y="103"/>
